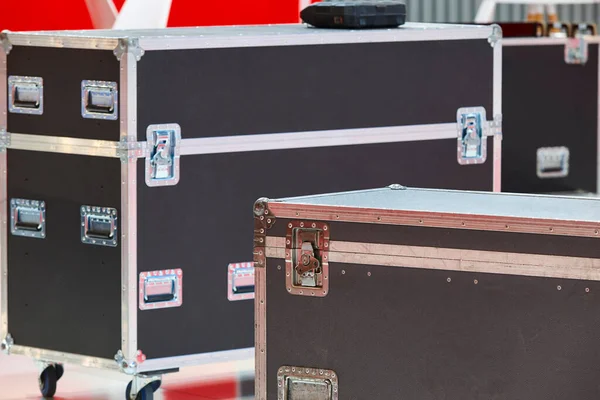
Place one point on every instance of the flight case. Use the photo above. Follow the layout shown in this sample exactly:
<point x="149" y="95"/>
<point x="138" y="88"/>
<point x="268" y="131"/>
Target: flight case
<point x="131" y="157"/>
<point x="551" y="114"/>
<point x="401" y="293"/>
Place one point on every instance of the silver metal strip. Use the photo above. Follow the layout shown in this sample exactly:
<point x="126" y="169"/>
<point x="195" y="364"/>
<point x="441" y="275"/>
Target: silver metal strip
<point x="260" y="332"/>
<point x="497" y="156"/>
<point x="65" y="145"/>
<point x="66" y="358"/>
<point x="3" y="203"/>
<point x="536" y="265"/>
<point x="239" y="359"/>
<point x="436" y="220"/>
<point x="598" y="126"/>
<point x="43" y="39"/>
<point x="544" y="41"/>
<point x="297" y="140"/>
<point x="129" y="277"/>
<point x="408" y="33"/>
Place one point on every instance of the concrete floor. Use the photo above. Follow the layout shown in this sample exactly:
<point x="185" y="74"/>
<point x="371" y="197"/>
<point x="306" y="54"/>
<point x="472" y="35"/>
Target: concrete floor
<point x="18" y="381"/>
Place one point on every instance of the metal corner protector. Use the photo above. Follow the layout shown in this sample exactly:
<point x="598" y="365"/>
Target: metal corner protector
<point x="496" y="35"/>
<point x="263" y="221"/>
<point x="4" y="140"/>
<point x="129" y="367"/>
<point x="4" y="40"/>
<point x="6" y="344"/>
<point x="129" y="45"/>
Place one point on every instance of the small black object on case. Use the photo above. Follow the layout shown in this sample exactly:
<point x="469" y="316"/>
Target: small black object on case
<point x="355" y="14"/>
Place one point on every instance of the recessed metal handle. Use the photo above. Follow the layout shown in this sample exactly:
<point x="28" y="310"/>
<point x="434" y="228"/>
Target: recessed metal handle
<point x="162" y="157"/>
<point x="25" y="95"/>
<point x="553" y="162"/>
<point x="299" y="383"/>
<point x="99" y="226"/>
<point x="472" y="135"/>
<point x="99" y="100"/>
<point x="161" y="289"/>
<point x="240" y="281"/>
<point x="28" y="218"/>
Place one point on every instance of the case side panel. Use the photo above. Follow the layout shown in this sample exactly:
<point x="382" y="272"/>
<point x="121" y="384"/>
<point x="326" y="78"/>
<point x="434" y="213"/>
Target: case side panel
<point x="3" y="201"/>
<point x="279" y="89"/>
<point x="63" y="71"/>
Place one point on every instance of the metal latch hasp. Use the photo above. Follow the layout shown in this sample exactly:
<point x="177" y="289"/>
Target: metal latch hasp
<point x="472" y="135"/>
<point x="307" y="266"/>
<point x="162" y="155"/>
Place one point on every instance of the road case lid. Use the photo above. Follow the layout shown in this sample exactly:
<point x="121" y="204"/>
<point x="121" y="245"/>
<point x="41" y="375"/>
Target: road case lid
<point x="566" y="215"/>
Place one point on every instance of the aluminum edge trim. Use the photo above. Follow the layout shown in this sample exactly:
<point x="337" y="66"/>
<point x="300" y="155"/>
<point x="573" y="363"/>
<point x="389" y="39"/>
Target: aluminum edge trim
<point x="238" y="360"/>
<point x="59" y="357"/>
<point x="436" y="220"/>
<point x="69" y="42"/>
<point x="260" y="339"/>
<point x="325" y="138"/>
<point x="3" y="202"/>
<point x="497" y="179"/>
<point x="128" y="120"/>
<point x="598" y="127"/>
<point x="544" y="41"/>
<point x="456" y="260"/>
<point x="65" y="145"/>
<point x="346" y="37"/>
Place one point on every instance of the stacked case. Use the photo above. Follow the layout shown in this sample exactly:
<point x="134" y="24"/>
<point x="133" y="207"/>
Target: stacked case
<point x="130" y="157"/>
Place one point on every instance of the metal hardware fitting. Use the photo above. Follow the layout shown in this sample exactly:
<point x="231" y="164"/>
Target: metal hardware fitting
<point x="6" y="45"/>
<point x="263" y="221"/>
<point x="129" y="45"/>
<point x="99" y="100"/>
<point x="495" y="126"/>
<point x="472" y="135"/>
<point x="576" y="51"/>
<point x="240" y="281"/>
<point x="553" y="162"/>
<point x="99" y="226"/>
<point x="26" y="95"/>
<point x="161" y="289"/>
<point x="496" y="35"/>
<point x="28" y="218"/>
<point x="4" y="140"/>
<point x="139" y="382"/>
<point x="6" y="344"/>
<point x="162" y="155"/>
<point x="397" y="186"/>
<point x="306" y="383"/>
<point x="129" y="367"/>
<point x="306" y="263"/>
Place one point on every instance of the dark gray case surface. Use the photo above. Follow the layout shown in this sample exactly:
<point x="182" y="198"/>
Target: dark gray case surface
<point x="432" y="294"/>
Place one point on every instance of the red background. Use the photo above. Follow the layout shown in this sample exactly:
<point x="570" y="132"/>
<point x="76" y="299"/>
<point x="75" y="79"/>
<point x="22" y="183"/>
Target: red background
<point x="27" y="15"/>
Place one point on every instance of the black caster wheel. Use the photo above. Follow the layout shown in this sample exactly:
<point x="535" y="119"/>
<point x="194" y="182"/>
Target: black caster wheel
<point x="147" y="392"/>
<point x="60" y="370"/>
<point x="48" y="379"/>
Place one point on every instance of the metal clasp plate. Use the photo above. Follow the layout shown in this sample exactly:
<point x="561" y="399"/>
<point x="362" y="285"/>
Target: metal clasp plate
<point x="472" y="135"/>
<point x="161" y="289"/>
<point x="162" y="157"/>
<point x="307" y="266"/>
<point x="99" y="100"/>
<point x="28" y="218"/>
<point x="99" y="226"/>
<point x="240" y="281"/>
<point x="25" y="95"/>
<point x="576" y="51"/>
<point x="553" y="162"/>
<point x="299" y="383"/>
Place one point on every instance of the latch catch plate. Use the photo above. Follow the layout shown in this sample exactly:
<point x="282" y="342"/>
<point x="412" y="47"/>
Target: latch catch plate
<point x="307" y="253"/>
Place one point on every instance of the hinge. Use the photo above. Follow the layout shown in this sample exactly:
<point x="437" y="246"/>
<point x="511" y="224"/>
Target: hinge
<point x="496" y="126"/>
<point x="307" y="253"/>
<point x="129" y="367"/>
<point x="4" y="140"/>
<point x="129" y="45"/>
<point x="263" y="221"/>
<point x="496" y="35"/>
<point x="6" y="344"/>
<point x="6" y="45"/>
<point x="129" y="149"/>
<point x="576" y="51"/>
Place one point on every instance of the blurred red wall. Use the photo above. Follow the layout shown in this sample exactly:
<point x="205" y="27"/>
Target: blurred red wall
<point x="27" y="15"/>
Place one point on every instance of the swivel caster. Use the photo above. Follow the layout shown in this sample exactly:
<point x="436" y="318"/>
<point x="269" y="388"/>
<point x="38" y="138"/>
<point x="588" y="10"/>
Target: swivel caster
<point x="48" y="379"/>
<point x="145" y="392"/>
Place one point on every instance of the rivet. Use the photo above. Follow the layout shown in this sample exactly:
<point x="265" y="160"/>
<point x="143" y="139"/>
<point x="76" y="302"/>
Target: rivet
<point x="449" y="280"/>
<point x="587" y="289"/>
<point x="314" y="225"/>
<point x="476" y="281"/>
<point x="420" y="221"/>
<point x="289" y="225"/>
<point x="343" y="272"/>
<point x="506" y="226"/>
<point x="301" y="224"/>
<point x="369" y="273"/>
<point x="551" y="229"/>
<point x="596" y="232"/>
<point x="338" y="217"/>
<point x="279" y="267"/>
<point x="325" y="228"/>
<point x="559" y="287"/>
<point x="378" y="218"/>
<point x="463" y="224"/>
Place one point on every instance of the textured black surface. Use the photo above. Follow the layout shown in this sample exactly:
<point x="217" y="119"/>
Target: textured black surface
<point x="221" y="92"/>
<point x="62" y="71"/>
<point x="64" y="295"/>
<point x="205" y="222"/>
<point x="548" y="103"/>
<point x="406" y="333"/>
